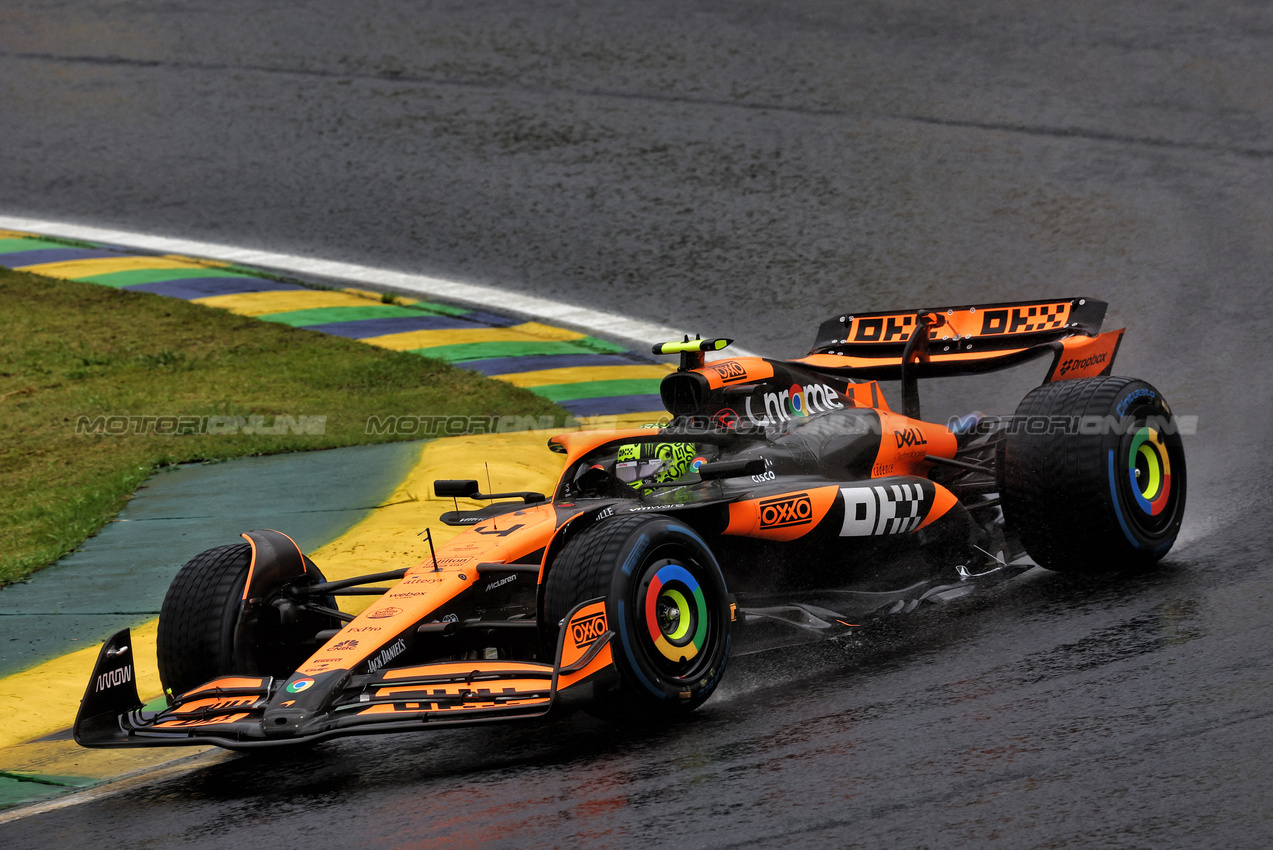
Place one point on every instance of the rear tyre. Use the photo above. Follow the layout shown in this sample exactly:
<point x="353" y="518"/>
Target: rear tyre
<point x="666" y="603"/>
<point x="200" y="617"/>
<point x="1092" y="475"/>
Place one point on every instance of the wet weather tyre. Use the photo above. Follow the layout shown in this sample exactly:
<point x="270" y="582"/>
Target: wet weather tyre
<point x="666" y="602"/>
<point x="1092" y="475"/>
<point x="199" y="620"/>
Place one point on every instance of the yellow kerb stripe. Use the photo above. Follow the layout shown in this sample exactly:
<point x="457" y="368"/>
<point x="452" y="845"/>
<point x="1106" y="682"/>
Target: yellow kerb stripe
<point x="45" y="698"/>
<point x="577" y="374"/>
<point x="75" y="269"/>
<point x="400" y="300"/>
<point x="284" y="301"/>
<point x="526" y="332"/>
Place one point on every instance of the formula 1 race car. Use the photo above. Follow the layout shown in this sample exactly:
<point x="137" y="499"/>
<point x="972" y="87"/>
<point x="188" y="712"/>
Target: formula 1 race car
<point x="783" y="497"/>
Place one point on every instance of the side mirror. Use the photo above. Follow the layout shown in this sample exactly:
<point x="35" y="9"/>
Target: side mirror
<point x="455" y="488"/>
<point x="731" y="468"/>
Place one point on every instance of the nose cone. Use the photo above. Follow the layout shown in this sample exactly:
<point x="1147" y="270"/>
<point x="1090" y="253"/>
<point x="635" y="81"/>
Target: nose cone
<point x="299" y="701"/>
<point x="283" y="722"/>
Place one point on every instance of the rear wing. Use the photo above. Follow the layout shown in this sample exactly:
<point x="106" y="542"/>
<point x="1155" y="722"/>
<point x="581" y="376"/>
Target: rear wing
<point x="967" y="340"/>
<point x="929" y="343"/>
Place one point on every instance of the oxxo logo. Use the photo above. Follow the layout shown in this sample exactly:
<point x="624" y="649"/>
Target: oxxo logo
<point x="794" y="403"/>
<point x="729" y="371"/>
<point x="787" y="510"/>
<point x="586" y="632"/>
<point x="909" y="437"/>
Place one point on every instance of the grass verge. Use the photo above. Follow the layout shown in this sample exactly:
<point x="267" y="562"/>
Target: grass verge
<point x="72" y="353"/>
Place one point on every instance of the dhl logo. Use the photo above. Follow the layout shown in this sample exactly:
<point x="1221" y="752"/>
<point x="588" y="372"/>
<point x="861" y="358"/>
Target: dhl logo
<point x="1044" y="317"/>
<point x="969" y="322"/>
<point x="884" y="328"/>
<point x="786" y="510"/>
<point x="198" y="721"/>
<point x="213" y="706"/>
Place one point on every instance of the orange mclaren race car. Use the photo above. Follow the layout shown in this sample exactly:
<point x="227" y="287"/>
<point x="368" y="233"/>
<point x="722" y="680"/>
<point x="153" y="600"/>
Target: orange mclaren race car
<point x="783" y="495"/>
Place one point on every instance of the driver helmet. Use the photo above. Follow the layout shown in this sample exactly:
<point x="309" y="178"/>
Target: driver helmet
<point x="642" y="464"/>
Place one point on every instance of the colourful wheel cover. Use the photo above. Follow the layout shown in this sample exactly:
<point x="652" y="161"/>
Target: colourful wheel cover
<point x="1152" y="496"/>
<point x="674" y="582"/>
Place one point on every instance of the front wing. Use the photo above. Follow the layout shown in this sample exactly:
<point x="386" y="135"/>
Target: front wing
<point x="246" y="712"/>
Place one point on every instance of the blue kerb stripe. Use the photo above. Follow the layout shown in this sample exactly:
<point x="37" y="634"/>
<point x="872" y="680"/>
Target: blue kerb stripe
<point x="189" y="288"/>
<point x="365" y="328"/>
<point x="538" y="362"/>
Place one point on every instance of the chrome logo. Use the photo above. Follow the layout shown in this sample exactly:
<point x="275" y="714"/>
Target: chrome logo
<point x="796" y="401"/>
<point x="1149" y="469"/>
<point x="299" y="685"/>
<point x="676" y="613"/>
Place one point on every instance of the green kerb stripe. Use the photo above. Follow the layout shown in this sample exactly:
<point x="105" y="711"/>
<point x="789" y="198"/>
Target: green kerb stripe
<point x="328" y="315"/>
<point x="598" y="389"/>
<point x="483" y="350"/>
<point x="15" y="792"/>
<point x="137" y="277"/>
<point x="12" y="246"/>
<point x="441" y="309"/>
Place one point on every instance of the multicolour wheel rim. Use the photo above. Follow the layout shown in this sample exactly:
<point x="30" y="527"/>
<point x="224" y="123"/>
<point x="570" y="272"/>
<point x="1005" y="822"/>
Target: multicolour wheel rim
<point x="676" y="614"/>
<point x="1149" y="469"/>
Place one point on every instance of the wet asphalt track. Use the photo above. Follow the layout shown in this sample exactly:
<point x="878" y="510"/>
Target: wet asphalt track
<point x="750" y="169"/>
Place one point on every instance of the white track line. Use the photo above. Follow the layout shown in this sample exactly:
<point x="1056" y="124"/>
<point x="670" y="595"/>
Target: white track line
<point x="124" y="782"/>
<point x="489" y="297"/>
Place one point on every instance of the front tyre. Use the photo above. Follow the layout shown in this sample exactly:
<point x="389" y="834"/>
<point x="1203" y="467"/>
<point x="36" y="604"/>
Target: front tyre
<point x="666" y="603"/>
<point x="200" y="637"/>
<point x="1092" y="475"/>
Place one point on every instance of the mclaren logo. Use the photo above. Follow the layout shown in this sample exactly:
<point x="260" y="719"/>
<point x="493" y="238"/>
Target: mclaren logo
<point x="585" y="632"/>
<point x="786" y="510"/>
<point x="501" y="582"/>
